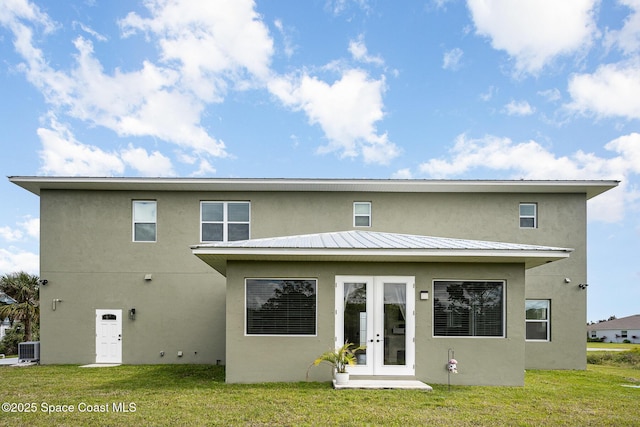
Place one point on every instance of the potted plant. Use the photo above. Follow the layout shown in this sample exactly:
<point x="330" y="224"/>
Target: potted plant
<point x="339" y="359"/>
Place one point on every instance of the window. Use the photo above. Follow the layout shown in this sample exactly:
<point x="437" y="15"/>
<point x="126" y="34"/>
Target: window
<point x="468" y="308"/>
<point x="224" y="221"/>
<point x="281" y="306"/>
<point x="528" y="215"/>
<point x="144" y="220"/>
<point x="362" y="214"/>
<point x="623" y="334"/>
<point x="537" y="319"/>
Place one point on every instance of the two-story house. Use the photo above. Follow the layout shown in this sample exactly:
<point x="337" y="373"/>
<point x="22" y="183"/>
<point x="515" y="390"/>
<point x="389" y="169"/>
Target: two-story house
<point x="263" y="275"/>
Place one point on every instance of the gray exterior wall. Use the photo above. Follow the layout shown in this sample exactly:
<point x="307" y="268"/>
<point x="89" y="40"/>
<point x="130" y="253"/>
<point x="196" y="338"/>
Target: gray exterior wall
<point x="88" y="256"/>
<point x="482" y="361"/>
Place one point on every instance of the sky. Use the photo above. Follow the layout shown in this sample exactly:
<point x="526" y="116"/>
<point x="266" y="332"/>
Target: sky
<point x="432" y="89"/>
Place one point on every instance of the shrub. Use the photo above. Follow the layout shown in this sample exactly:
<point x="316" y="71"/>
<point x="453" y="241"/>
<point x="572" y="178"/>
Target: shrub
<point x="628" y="359"/>
<point x="626" y="341"/>
<point x="13" y="336"/>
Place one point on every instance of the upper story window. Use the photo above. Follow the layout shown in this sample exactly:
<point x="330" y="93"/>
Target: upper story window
<point x="468" y="308"/>
<point x="362" y="214"/>
<point x="144" y="220"/>
<point x="528" y="215"/>
<point x="537" y="319"/>
<point x="224" y="221"/>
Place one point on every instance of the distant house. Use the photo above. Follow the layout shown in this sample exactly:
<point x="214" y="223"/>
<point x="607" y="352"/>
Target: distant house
<point x="617" y="330"/>
<point x="4" y="323"/>
<point x="263" y="275"/>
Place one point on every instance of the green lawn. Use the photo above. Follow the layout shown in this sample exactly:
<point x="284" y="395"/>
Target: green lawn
<point x="194" y="395"/>
<point x="608" y="345"/>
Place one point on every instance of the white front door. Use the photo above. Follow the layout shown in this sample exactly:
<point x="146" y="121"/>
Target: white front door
<point x="108" y="336"/>
<point x="377" y="312"/>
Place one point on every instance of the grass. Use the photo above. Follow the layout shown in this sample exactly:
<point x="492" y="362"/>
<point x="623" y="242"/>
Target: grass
<point x="194" y="395"/>
<point x="612" y="345"/>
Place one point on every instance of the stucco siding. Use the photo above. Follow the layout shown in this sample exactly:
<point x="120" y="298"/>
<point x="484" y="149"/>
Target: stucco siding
<point x="90" y="261"/>
<point x="491" y="361"/>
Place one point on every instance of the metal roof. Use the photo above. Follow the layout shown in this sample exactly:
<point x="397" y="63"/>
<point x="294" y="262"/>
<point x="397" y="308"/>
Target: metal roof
<point x="36" y="184"/>
<point x="369" y="246"/>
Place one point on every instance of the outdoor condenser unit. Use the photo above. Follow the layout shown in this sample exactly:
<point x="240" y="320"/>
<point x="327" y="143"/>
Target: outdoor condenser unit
<point x="29" y="351"/>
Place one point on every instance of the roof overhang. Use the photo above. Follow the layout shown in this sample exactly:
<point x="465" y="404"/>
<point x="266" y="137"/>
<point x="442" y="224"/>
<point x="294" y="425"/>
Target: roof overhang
<point x="382" y="247"/>
<point x="37" y="184"/>
<point x="218" y="258"/>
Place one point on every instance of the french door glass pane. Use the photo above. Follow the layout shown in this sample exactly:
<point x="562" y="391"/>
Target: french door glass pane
<point x="395" y="306"/>
<point x="355" y="317"/>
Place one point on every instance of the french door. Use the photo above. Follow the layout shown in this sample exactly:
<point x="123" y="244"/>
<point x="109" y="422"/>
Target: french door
<point x="377" y="312"/>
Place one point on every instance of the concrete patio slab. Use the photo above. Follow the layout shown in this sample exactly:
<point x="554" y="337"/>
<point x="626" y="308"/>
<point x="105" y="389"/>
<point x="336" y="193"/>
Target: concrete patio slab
<point x="101" y="365"/>
<point x="384" y="384"/>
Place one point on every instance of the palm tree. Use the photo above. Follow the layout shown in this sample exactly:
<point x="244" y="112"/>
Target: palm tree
<point x="25" y="290"/>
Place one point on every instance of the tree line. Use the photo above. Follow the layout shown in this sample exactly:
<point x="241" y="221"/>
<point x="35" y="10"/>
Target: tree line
<point x="20" y="306"/>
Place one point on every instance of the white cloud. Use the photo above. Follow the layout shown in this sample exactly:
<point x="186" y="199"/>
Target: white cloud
<point x="289" y="47"/>
<point x="347" y="110"/>
<point x="488" y="94"/>
<point x="154" y="164"/>
<point x="14" y="260"/>
<point x="13" y="11"/>
<point x="31" y="226"/>
<point x="627" y="39"/>
<point x="550" y="95"/>
<point x="359" y="52"/>
<point x="404" y="173"/>
<point x="339" y="6"/>
<point x="10" y="234"/>
<point x="518" y="108"/>
<point x="530" y="160"/>
<point x="237" y="43"/>
<point x="62" y="154"/>
<point x="452" y="58"/>
<point x="612" y="90"/>
<point x="164" y="101"/>
<point x="535" y="32"/>
<point x="205" y="169"/>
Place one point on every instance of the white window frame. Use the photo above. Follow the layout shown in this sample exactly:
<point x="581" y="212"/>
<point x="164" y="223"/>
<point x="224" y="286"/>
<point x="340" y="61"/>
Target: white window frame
<point x="225" y="219"/>
<point x="134" y="222"/>
<point x="534" y="216"/>
<point x="246" y="324"/>
<point x="546" y="321"/>
<point x="359" y="215"/>
<point x="451" y="322"/>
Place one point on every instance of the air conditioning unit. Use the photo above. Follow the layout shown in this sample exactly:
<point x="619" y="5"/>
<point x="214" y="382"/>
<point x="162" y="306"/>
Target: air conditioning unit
<point x="29" y="351"/>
